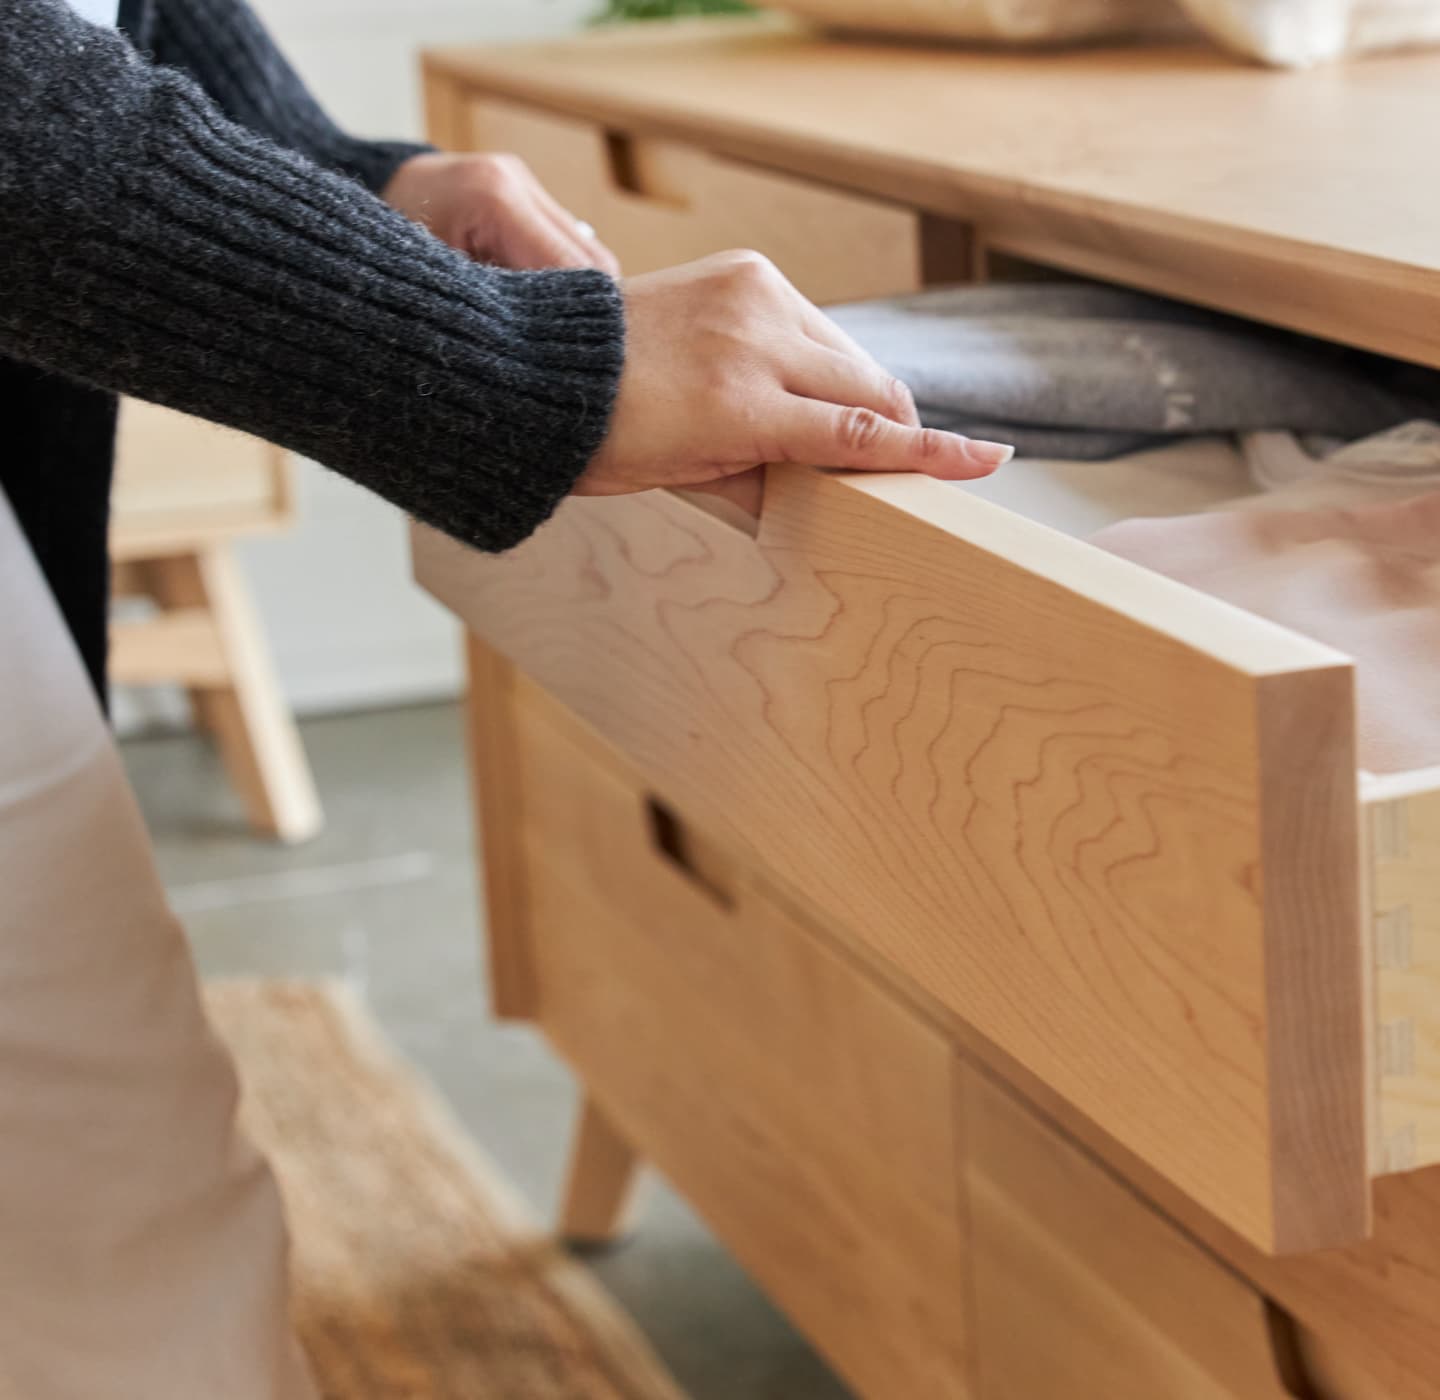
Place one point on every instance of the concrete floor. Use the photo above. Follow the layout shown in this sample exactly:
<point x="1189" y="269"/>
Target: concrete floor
<point x="386" y="898"/>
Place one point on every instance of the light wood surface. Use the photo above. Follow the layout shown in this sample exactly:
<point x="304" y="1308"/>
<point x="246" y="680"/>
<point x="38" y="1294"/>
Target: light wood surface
<point x="1082" y="1290"/>
<point x="600" y="1186"/>
<point x="656" y="204"/>
<point x="184" y="490"/>
<point x="1172" y="169"/>
<point x="1107" y="821"/>
<point x="810" y="1118"/>
<point x="498" y="798"/>
<point x="243" y="708"/>
<point x="181" y="646"/>
<point x="1404" y="839"/>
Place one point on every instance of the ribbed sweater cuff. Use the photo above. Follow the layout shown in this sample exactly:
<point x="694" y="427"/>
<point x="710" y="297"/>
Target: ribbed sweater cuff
<point x="151" y="247"/>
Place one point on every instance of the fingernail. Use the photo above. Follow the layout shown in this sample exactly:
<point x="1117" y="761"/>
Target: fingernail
<point x="991" y="454"/>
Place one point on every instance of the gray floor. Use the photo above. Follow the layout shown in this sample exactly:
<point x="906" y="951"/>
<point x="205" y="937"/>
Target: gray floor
<point x="385" y="897"/>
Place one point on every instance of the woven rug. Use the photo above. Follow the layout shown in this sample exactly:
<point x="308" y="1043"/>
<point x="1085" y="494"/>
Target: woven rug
<point x="417" y="1276"/>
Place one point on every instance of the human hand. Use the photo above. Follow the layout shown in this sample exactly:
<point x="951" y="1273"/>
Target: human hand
<point x="727" y="366"/>
<point x="492" y="208"/>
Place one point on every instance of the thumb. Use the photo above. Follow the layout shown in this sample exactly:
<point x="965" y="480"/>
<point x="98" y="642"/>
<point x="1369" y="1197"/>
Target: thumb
<point x="832" y="435"/>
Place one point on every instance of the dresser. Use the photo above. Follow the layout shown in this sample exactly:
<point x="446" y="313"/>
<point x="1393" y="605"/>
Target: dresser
<point x="999" y="944"/>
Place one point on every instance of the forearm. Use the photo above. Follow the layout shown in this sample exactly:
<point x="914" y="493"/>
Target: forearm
<point x="152" y="247"/>
<point x="224" y="46"/>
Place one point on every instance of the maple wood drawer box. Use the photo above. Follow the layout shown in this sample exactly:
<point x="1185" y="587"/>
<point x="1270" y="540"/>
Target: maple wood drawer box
<point x="1114" y="826"/>
<point x="657" y="203"/>
<point x="811" y="1116"/>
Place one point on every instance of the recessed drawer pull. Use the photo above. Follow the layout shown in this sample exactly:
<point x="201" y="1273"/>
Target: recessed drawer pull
<point x="698" y="861"/>
<point x="634" y="171"/>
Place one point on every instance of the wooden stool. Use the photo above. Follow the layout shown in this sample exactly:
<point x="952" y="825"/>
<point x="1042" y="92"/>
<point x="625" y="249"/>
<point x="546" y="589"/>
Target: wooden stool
<point x="184" y="490"/>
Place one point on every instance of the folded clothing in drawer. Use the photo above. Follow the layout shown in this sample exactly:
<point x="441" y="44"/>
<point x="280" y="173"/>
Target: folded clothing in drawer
<point x="1364" y="579"/>
<point x="1084" y="371"/>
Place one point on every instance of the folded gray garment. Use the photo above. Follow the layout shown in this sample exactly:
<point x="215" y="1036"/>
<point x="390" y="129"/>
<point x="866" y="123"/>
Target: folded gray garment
<point x="1083" y="371"/>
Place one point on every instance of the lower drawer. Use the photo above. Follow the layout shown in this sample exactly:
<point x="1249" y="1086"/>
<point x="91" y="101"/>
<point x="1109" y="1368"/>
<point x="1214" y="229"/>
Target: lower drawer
<point x="657" y="203"/>
<point x="808" y="1116"/>
<point x="1081" y="1290"/>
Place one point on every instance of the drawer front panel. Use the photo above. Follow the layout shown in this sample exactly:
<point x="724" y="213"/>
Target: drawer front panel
<point x="808" y="1116"/>
<point x="657" y="203"/>
<point x="1082" y="1290"/>
<point x="1108" y="822"/>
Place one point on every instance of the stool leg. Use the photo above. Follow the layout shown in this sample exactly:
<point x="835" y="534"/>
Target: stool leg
<point x="248" y="718"/>
<point x="600" y="1189"/>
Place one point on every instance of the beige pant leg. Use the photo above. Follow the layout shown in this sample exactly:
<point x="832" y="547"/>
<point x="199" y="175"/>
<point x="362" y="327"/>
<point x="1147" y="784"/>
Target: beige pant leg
<point x="142" y="1244"/>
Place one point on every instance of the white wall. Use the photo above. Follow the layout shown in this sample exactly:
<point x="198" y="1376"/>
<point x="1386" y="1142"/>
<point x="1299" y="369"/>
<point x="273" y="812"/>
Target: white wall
<point x="347" y="626"/>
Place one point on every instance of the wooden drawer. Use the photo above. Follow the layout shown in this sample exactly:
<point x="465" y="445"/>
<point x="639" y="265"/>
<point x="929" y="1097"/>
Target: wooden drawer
<point x="1111" y="825"/>
<point x="1081" y="1290"/>
<point x="808" y="1116"/>
<point x="657" y="203"/>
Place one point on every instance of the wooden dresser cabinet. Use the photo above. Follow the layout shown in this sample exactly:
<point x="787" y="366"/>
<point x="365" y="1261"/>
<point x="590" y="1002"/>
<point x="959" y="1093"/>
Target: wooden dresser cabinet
<point x="996" y="942"/>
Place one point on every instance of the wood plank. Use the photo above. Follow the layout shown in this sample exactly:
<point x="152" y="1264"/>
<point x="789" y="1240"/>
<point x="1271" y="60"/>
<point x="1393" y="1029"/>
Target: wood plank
<point x="1082" y="1290"/>
<point x="498" y="796"/>
<point x="1056" y="792"/>
<point x="176" y="648"/>
<point x="809" y="1117"/>
<point x="1286" y="197"/>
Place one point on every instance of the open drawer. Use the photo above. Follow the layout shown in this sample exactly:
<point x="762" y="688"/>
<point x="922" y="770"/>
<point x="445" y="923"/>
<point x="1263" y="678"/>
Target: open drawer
<point x="657" y="203"/>
<point x="1114" y="825"/>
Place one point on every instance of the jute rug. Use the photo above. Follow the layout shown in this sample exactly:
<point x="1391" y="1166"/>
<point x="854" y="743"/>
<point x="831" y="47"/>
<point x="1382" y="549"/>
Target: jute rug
<point x="417" y="1275"/>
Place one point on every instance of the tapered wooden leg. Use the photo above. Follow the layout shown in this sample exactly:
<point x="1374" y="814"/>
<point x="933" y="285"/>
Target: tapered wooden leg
<point x="495" y="785"/>
<point x="246" y="713"/>
<point x="600" y="1191"/>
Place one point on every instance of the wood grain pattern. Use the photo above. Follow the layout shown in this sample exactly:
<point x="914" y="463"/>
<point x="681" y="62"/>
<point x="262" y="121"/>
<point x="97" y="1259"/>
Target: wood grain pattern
<point x="1289" y="198"/>
<point x="498" y="798"/>
<point x="673" y="203"/>
<point x="810" y="1118"/>
<point x="1045" y="785"/>
<point x="1082" y="1290"/>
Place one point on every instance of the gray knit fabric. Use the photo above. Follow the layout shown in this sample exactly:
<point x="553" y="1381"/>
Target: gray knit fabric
<point x="1081" y="371"/>
<point x="151" y="245"/>
<point x="226" y="49"/>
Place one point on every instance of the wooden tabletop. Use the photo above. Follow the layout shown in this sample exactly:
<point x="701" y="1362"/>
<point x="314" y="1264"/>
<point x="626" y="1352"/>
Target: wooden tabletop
<point x="1310" y="199"/>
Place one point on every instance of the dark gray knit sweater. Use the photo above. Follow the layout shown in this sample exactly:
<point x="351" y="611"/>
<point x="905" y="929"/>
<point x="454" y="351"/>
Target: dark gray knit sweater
<point x="184" y="224"/>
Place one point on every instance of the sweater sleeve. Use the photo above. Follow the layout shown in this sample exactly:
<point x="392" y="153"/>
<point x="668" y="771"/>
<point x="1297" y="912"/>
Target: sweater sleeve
<point x="224" y="46"/>
<point x="150" y="246"/>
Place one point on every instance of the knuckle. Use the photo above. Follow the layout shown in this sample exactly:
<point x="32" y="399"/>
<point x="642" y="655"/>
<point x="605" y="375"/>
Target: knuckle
<point x="929" y="444"/>
<point x="503" y="171"/>
<point x="897" y="397"/>
<point x="746" y="264"/>
<point x="860" y="429"/>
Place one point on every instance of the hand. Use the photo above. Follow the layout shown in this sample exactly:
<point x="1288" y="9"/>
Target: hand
<point x="494" y="210"/>
<point x="727" y="366"/>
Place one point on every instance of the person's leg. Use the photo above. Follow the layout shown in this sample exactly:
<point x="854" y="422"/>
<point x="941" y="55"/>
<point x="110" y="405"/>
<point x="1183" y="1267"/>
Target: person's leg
<point x="142" y="1244"/>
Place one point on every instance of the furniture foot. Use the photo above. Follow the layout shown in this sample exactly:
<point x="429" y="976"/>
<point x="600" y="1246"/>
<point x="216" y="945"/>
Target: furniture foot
<point x="600" y="1189"/>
